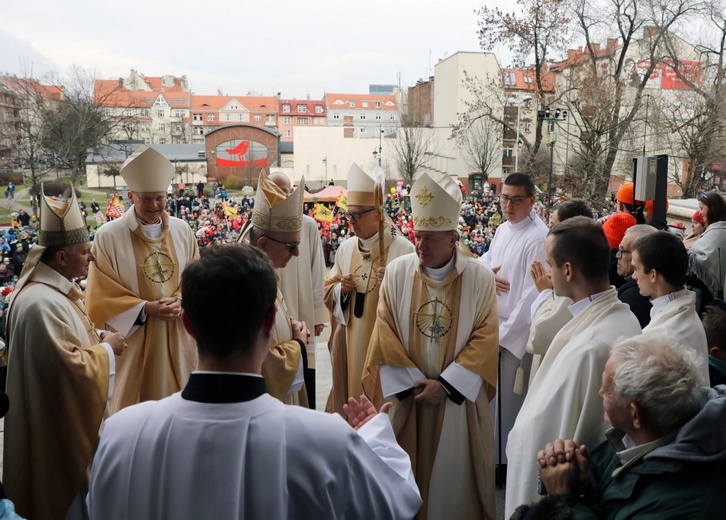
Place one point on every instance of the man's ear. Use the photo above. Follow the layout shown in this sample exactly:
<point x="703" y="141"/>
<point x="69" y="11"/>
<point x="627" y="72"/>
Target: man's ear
<point x="569" y="271"/>
<point x="187" y="324"/>
<point x="636" y="415"/>
<point x="60" y="257"/>
<point x="269" y="322"/>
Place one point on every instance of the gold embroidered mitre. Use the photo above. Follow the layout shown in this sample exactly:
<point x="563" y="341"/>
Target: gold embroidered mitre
<point x="61" y="223"/>
<point x="275" y="210"/>
<point x="435" y="203"/>
<point x="147" y="171"/>
<point x="361" y="187"/>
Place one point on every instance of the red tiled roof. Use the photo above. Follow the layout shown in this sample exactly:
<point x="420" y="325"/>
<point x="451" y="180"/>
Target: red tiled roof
<point x="309" y="104"/>
<point x="526" y="79"/>
<point x="257" y="104"/>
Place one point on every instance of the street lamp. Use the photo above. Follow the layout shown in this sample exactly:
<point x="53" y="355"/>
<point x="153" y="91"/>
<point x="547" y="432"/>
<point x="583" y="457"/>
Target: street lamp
<point x="378" y="152"/>
<point x="325" y="163"/>
<point x="512" y="101"/>
<point x="552" y="118"/>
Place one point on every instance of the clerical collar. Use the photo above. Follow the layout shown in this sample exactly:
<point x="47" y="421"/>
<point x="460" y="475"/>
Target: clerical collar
<point x="152" y="230"/>
<point x="660" y="302"/>
<point x="223" y="387"/>
<point x="579" y="306"/>
<point x="440" y="273"/>
<point x="368" y="243"/>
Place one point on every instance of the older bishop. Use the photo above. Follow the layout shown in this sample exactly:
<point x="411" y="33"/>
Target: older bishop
<point x="351" y="287"/>
<point x="435" y="344"/>
<point x="60" y="372"/>
<point x="134" y="286"/>
<point x="275" y="229"/>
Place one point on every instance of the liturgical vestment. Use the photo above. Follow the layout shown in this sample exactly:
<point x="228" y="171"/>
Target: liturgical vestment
<point x="441" y="326"/>
<point x="563" y="401"/>
<point x="131" y="269"/>
<point x="253" y="459"/>
<point x="356" y="313"/>
<point x="58" y="385"/>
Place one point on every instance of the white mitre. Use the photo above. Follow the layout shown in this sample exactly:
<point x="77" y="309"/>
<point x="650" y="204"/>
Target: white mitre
<point x="275" y="210"/>
<point x="147" y="171"/>
<point x="361" y="187"/>
<point x="435" y="203"/>
<point x="61" y="223"/>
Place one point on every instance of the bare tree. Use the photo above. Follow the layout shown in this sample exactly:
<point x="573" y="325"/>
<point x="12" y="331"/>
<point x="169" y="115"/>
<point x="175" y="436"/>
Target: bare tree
<point x="481" y="146"/>
<point x="413" y="149"/>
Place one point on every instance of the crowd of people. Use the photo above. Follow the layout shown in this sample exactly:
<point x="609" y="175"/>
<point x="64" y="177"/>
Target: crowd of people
<point x="473" y="345"/>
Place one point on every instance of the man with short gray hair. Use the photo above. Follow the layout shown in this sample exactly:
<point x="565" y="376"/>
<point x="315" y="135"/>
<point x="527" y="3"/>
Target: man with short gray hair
<point x="628" y="292"/>
<point x="664" y="455"/>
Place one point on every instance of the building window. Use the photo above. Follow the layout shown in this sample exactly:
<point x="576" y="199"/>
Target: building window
<point x="270" y="118"/>
<point x="363" y="130"/>
<point x="362" y="117"/>
<point x="210" y="117"/>
<point x="287" y="120"/>
<point x="302" y="108"/>
<point x="351" y="104"/>
<point x="144" y="112"/>
<point x="257" y="118"/>
<point x="288" y="133"/>
<point x="162" y="127"/>
<point x="240" y="117"/>
<point x="392" y="117"/>
<point x="286" y="108"/>
<point x="159" y="113"/>
<point x="162" y="141"/>
<point x="107" y="111"/>
<point x="378" y="116"/>
<point x="198" y="130"/>
<point x="197" y="117"/>
<point x="129" y="112"/>
<point x="526" y="127"/>
<point x="318" y="109"/>
<point x="365" y="104"/>
<point x="378" y="104"/>
<point x="508" y="152"/>
<point x="178" y="113"/>
<point x="302" y="120"/>
<point x="336" y="115"/>
<point x="510" y="79"/>
<point x="228" y="117"/>
<point x="528" y="80"/>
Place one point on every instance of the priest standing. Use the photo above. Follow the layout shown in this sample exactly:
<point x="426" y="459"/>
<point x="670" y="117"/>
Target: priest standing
<point x="351" y="287"/>
<point x="435" y="345"/>
<point x="134" y="286"/>
<point x="516" y="244"/>
<point x="60" y="372"/>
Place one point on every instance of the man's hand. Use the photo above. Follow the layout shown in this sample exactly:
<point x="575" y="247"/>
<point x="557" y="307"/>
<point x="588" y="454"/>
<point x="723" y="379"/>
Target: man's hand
<point x="117" y="342"/>
<point x="319" y="329"/>
<point x="360" y="413"/>
<point x="380" y="272"/>
<point x="540" y="276"/>
<point x="429" y="392"/>
<point x="167" y="309"/>
<point x="556" y="464"/>
<point x="347" y="284"/>
<point x="300" y="330"/>
<point x="502" y="284"/>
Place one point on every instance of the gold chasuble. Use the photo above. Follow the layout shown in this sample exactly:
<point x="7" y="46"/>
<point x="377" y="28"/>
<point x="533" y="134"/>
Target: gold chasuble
<point x="438" y="328"/>
<point x="58" y="379"/>
<point x="161" y="354"/>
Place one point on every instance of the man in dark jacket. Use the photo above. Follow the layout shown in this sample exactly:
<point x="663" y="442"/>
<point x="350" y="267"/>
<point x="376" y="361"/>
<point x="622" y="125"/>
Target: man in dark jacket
<point x="628" y="292"/>
<point x="665" y="454"/>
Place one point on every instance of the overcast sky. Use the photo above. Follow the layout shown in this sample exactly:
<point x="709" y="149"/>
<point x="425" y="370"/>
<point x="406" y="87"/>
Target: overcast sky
<point x="288" y="46"/>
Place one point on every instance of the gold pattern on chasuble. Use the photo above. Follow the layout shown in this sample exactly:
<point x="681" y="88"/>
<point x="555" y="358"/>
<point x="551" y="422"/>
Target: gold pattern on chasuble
<point x="434" y="319"/>
<point x="158" y="267"/>
<point x="434" y="222"/>
<point x="424" y="196"/>
<point x="365" y="278"/>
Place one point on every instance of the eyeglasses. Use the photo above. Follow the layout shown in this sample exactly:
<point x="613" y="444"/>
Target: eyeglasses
<point x="356" y="215"/>
<point x="291" y="246"/>
<point x="155" y="200"/>
<point x="514" y="201"/>
<point x="622" y="252"/>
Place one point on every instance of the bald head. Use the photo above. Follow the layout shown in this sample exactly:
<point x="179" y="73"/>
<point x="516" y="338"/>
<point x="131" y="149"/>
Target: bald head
<point x="282" y="182"/>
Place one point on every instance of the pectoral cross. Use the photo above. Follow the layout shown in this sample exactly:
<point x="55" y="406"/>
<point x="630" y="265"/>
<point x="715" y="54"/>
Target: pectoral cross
<point x="436" y="329"/>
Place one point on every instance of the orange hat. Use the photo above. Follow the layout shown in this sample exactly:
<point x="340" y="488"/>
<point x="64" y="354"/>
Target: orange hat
<point x="616" y="226"/>
<point x="649" y="205"/>
<point x="626" y="193"/>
